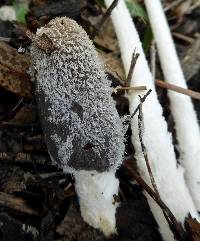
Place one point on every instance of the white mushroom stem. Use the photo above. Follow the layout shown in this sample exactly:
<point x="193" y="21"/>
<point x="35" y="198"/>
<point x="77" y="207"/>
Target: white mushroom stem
<point x="96" y="197"/>
<point x="187" y="128"/>
<point x="169" y="178"/>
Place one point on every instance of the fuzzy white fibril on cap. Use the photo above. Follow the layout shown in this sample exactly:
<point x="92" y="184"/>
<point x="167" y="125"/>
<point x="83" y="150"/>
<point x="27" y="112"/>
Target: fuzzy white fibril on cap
<point x="187" y="128"/>
<point x="83" y="131"/>
<point x="169" y="178"/>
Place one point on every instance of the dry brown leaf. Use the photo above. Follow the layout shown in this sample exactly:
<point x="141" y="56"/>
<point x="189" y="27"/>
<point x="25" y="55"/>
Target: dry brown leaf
<point x="191" y="62"/>
<point x="187" y="6"/>
<point x="193" y="228"/>
<point x="113" y="65"/>
<point x="25" y="115"/>
<point x="18" y="204"/>
<point x="107" y="38"/>
<point x="13" y="71"/>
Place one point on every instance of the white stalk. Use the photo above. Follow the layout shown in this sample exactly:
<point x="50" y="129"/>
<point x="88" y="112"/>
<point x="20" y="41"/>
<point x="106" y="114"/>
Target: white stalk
<point x="187" y="128"/>
<point x="169" y="178"/>
<point x="96" y="197"/>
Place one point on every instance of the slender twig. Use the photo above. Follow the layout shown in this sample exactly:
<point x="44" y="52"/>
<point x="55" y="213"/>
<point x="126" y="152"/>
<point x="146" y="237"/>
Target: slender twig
<point x="16" y="106"/>
<point x="104" y="18"/>
<point x="172" y="5"/>
<point x="194" y="6"/>
<point x="183" y="37"/>
<point x="134" y="88"/>
<point x="142" y="100"/>
<point x="11" y="112"/>
<point x="5" y="39"/>
<point x="127" y="121"/>
<point x="135" y="56"/>
<point x="144" y="151"/>
<point x="107" y="13"/>
<point x="175" y="226"/>
<point x="165" y="85"/>
<point x="17" y="124"/>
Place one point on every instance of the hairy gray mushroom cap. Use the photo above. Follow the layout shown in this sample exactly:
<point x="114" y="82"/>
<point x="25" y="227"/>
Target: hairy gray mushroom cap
<point x="82" y="128"/>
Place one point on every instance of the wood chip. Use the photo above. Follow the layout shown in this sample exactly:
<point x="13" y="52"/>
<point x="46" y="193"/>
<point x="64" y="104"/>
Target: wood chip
<point x="25" y="115"/>
<point x="191" y="62"/>
<point x="113" y="65"/>
<point x="8" y="201"/>
<point x="193" y="228"/>
<point x="13" y="71"/>
<point x="107" y="38"/>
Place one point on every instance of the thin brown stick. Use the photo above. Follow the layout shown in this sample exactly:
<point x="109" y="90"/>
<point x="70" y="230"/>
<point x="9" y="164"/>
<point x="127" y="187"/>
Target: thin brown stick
<point x="11" y="112"/>
<point x="165" y="85"/>
<point x="142" y="100"/>
<point x="135" y="56"/>
<point x="5" y="39"/>
<point x="17" y="204"/>
<point x="183" y="37"/>
<point x="17" y="124"/>
<point x="142" y="87"/>
<point x="104" y="18"/>
<point x="144" y="151"/>
<point x="16" y="106"/>
<point x="175" y="226"/>
<point x="172" y="5"/>
<point x="127" y="121"/>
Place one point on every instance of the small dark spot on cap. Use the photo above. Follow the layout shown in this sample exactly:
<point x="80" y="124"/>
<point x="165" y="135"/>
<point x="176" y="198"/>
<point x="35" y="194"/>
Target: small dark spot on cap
<point x="77" y="109"/>
<point x="88" y="146"/>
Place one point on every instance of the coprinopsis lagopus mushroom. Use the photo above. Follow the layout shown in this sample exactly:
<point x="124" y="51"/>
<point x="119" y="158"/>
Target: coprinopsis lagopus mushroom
<point x="83" y="131"/>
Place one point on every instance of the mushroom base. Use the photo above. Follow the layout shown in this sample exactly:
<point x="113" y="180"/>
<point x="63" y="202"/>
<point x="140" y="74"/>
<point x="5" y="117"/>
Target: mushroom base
<point x="96" y="198"/>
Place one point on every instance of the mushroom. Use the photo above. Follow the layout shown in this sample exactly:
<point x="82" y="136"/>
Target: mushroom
<point x="169" y="176"/>
<point x="83" y="131"/>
